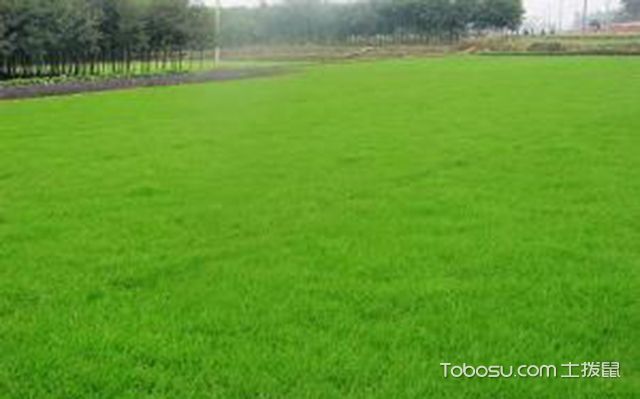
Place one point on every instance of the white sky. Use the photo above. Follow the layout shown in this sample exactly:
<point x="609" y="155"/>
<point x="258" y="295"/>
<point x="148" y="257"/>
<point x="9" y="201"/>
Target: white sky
<point x="552" y="10"/>
<point x="539" y="10"/>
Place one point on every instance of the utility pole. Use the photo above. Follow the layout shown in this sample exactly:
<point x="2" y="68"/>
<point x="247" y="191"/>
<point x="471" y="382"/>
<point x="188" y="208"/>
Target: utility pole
<point x="560" y="15"/>
<point x="585" y="17"/>
<point x="216" y="56"/>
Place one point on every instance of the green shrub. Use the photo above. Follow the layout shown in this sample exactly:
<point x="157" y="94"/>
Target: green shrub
<point x="547" y="47"/>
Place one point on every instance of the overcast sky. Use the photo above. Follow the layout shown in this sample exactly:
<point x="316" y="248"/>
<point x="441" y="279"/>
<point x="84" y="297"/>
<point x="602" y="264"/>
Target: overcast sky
<point x="544" y="10"/>
<point x="554" y="9"/>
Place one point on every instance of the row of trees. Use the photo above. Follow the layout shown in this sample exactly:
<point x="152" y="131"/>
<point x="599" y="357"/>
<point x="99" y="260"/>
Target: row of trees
<point x="397" y="20"/>
<point x="72" y="37"/>
<point x="631" y="9"/>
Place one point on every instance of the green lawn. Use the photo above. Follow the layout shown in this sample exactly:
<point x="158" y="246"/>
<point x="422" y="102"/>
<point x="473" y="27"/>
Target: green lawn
<point x="334" y="233"/>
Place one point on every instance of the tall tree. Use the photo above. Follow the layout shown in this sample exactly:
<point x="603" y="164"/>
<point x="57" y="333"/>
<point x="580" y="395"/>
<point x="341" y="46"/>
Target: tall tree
<point x="632" y="8"/>
<point x="201" y="29"/>
<point x="167" y="27"/>
<point x="499" y="14"/>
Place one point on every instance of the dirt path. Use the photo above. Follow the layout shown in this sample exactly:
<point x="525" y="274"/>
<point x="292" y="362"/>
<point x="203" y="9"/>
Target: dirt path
<point x="72" y="87"/>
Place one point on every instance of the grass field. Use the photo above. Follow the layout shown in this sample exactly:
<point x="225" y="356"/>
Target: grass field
<point x="334" y="233"/>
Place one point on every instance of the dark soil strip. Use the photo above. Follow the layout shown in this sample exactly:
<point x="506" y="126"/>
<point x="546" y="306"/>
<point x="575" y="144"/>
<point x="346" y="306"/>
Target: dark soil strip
<point x="72" y="87"/>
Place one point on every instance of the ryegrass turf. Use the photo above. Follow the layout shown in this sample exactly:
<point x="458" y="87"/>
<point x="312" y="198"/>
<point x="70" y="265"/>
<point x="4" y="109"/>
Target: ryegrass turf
<point x="335" y="233"/>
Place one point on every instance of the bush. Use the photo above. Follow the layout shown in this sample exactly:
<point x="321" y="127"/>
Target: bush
<point x="547" y="47"/>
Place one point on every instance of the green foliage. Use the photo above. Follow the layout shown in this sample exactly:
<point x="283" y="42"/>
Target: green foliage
<point x="506" y="14"/>
<point x="319" y="21"/>
<point x="632" y="8"/>
<point x="76" y="37"/>
<point x="336" y="233"/>
<point x="547" y="47"/>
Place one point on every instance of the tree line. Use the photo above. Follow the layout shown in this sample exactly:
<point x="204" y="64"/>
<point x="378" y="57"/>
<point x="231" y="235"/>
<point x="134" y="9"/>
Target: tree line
<point x="87" y="37"/>
<point x="631" y="9"/>
<point x="76" y="37"/>
<point x="303" y="21"/>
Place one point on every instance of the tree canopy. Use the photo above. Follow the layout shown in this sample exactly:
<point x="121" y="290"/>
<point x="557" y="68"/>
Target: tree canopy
<point x="632" y="8"/>
<point x="321" y="21"/>
<point x="44" y="37"/>
<point x="70" y="37"/>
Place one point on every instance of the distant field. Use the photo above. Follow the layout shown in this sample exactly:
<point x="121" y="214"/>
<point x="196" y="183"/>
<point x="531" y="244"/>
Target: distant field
<point x="334" y="233"/>
<point x="601" y="44"/>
